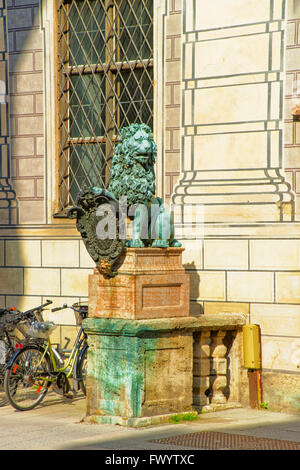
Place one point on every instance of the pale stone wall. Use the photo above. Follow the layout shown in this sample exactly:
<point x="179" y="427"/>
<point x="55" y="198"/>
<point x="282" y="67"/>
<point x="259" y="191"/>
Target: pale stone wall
<point x="8" y="206"/>
<point x="34" y="270"/>
<point x="235" y="275"/>
<point x="236" y="145"/>
<point x="292" y="98"/>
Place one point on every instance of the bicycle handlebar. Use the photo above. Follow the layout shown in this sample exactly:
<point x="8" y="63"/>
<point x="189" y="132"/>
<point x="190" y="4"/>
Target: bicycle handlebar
<point x="67" y="306"/>
<point x="59" y="308"/>
<point x="40" y="308"/>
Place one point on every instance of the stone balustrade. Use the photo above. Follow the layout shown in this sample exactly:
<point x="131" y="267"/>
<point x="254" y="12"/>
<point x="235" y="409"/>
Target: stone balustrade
<point x="217" y="368"/>
<point x="217" y="361"/>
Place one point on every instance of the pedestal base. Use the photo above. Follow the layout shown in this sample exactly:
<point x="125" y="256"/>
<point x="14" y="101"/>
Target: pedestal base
<point x="138" y="370"/>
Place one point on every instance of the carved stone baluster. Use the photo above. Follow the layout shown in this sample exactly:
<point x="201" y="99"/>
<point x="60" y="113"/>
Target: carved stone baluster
<point x="219" y="368"/>
<point x="201" y="368"/>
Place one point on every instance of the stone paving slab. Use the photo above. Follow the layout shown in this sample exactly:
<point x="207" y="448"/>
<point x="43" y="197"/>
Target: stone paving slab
<point x="57" y="424"/>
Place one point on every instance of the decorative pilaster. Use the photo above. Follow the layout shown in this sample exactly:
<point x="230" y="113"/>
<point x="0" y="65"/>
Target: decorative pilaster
<point x="8" y="203"/>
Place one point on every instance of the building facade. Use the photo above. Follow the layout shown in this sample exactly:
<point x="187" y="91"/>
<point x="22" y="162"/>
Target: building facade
<point x="219" y="84"/>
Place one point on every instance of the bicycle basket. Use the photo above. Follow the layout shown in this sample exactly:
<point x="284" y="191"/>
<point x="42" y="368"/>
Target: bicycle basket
<point x="41" y="329"/>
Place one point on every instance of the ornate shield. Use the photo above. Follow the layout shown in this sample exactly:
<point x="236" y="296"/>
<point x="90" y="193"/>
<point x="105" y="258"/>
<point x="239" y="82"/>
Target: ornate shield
<point x="93" y="211"/>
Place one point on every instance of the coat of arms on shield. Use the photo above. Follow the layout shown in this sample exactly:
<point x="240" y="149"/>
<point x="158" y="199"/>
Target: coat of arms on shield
<point x="97" y="220"/>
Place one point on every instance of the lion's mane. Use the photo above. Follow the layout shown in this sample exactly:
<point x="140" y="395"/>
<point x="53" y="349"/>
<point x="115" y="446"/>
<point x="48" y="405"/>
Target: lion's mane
<point x="128" y="177"/>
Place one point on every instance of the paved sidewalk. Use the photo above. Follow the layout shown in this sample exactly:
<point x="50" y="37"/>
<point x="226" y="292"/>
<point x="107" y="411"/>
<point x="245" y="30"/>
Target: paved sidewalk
<point x="57" y="424"/>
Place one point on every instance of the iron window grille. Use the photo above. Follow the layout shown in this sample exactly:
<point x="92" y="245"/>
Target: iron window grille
<point x="105" y="82"/>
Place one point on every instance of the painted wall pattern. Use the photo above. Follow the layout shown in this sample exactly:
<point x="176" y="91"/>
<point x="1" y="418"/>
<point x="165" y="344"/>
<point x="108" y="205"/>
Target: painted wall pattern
<point x="8" y="206"/>
<point x="26" y="85"/>
<point x="232" y="112"/>
<point x="173" y="66"/>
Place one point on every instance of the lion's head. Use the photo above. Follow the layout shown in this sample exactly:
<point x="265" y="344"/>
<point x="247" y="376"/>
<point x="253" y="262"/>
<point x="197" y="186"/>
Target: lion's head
<point x="132" y="172"/>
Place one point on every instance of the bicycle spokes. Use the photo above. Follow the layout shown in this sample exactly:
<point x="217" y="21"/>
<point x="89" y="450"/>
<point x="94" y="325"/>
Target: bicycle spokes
<point x="26" y="381"/>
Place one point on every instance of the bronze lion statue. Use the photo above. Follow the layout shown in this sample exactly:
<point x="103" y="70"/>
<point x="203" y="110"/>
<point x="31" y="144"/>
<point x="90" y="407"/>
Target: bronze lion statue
<point x="132" y="177"/>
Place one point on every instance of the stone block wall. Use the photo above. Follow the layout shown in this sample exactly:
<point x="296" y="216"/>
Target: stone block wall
<point x="258" y="276"/>
<point x="33" y="270"/>
<point x="38" y="261"/>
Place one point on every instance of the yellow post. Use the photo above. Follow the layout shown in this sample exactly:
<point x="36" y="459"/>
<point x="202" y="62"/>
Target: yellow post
<point x="251" y="344"/>
<point x="252" y="362"/>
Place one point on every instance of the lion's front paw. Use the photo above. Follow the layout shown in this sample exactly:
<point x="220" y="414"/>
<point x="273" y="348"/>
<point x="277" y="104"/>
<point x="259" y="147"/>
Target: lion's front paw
<point x="135" y="243"/>
<point x="176" y="243"/>
<point x="160" y="244"/>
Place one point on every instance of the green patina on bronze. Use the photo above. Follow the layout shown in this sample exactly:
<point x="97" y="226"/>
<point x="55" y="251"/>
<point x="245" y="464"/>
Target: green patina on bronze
<point x="132" y="174"/>
<point x="105" y="252"/>
<point x="132" y="177"/>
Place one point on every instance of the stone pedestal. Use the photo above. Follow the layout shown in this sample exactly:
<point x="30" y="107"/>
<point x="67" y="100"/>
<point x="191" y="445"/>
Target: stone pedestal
<point x="151" y="283"/>
<point x="140" y="372"/>
<point x="140" y="359"/>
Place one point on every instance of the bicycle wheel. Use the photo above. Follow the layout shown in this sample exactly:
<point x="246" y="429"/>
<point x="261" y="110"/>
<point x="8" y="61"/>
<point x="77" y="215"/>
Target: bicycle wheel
<point x="6" y="351"/>
<point x="25" y="380"/>
<point x="81" y="371"/>
<point x="3" y="399"/>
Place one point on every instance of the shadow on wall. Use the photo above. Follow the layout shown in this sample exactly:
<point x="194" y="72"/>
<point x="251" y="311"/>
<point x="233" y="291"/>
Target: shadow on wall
<point x="196" y="308"/>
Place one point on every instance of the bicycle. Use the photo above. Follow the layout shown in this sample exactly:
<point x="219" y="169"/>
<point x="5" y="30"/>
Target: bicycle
<point x="10" y="321"/>
<point x="36" y="367"/>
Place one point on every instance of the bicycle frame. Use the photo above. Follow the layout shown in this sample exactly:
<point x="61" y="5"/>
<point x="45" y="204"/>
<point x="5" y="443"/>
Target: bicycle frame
<point x="71" y="359"/>
<point x="70" y="362"/>
<point x="41" y="365"/>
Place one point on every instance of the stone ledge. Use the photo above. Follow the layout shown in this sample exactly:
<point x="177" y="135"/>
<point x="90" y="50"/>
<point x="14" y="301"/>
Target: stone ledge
<point x="132" y="422"/>
<point x="151" y="260"/>
<point x="125" y="327"/>
<point x="242" y="230"/>
<point x="212" y="407"/>
<point x="157" y="419"/>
